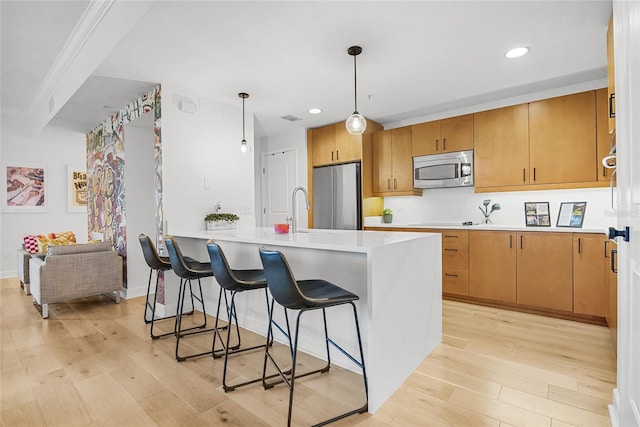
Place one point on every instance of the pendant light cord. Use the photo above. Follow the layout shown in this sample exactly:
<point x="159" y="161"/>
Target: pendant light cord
<point x="243" y="138"/>
<point x="355" y="85"/>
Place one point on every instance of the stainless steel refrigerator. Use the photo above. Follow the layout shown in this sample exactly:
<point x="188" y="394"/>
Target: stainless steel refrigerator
<point x="337" y="201"/>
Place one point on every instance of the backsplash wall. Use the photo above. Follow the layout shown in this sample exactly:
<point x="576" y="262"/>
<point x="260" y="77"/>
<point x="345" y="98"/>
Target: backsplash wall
<point x="461" y="204"/>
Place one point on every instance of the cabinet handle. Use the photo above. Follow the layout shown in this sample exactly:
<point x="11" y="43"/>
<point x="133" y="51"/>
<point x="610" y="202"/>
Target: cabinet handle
<point x="451" y="236"/>
<point x="524" y="176"/>
<point x="332" y="156"/>
<point x="510" y="241"/>
<point x="450" y="275"/>
<point x="450" y="249"/>
<point x="606" y="249"/>
<point x="604" y="171"/>
<point x="337" y="155"/>
<point x="534" y="174"/>
<point x="436" y="145"/>
<point x="444" y="143"/>
<point x="612" y="99"/>
<point x="614" y="252"/>
<point x="521" y="241"/>
<point x="395" y="184"/>
<point x="579" y="245"/>
<point x="389" y="184"/>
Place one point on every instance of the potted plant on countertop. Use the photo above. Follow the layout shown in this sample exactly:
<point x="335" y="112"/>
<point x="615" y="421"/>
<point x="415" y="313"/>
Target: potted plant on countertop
<point x="387" y="216"/>
<point x="221" y="221"/>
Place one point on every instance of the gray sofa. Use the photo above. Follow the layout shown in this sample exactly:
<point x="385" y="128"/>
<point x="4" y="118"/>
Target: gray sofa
<point x="75" y="271"/>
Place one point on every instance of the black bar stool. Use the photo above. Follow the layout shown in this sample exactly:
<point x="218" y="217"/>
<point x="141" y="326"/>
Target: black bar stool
<point x="188" y="270"/>
<point x="234" y="282"/>
<point x="156" y="263"/>
<point x="306" y="295"/>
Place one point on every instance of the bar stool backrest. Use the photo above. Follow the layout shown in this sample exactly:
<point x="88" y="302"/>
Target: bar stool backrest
<point x="221" y="270"/>
<point x="178" y="262"/>
<point x="151" y="256"/>
<point x="280" y="280"/>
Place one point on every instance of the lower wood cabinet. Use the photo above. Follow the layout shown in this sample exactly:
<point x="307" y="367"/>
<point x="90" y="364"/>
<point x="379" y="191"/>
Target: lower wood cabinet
<point x="590" y="294"/>
<point x="455" y="261"/>
<point x="611" y="284"/>
<point x="545" y="268"/>
<point x="492" y="265"/>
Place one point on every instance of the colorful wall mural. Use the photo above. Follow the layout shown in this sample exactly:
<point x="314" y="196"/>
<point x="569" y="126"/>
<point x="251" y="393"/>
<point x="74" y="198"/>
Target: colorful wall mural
<point x="106" y="153"/>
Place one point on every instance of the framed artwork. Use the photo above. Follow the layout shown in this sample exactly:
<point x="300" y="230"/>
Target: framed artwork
<point x="536" y="214"/>
<point x="571" y="214"/>
<point x="77" y="184"/>
<point x="25" y="187"/>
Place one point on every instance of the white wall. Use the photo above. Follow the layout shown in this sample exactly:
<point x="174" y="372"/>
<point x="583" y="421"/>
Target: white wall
<point x="461" y="204"/>
<point x="139" y="187"/>
<point x="56" y="148"/>
<point x="202" y="149"/>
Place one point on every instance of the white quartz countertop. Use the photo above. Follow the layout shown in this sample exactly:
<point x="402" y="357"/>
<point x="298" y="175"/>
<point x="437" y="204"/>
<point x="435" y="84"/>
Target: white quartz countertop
<point x="334" y="240"/>
<point x="495" y="227"/>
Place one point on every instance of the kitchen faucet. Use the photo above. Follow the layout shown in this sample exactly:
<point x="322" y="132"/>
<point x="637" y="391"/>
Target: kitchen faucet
<point x="294" y="208"/>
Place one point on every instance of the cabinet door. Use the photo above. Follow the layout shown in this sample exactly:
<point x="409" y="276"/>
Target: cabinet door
<point x="381" y="167"/>
<point x="348" y="147"/>
<point x="544" y="270"/>
<point x="402" y="161"/>
<point x="611" y="83"/>
<point x="501" y="146"/>
<point x="562" y="139"/>
<point x="603" y="139"/>
<point x="611" y="281"/>
<point x="425" y="138"/>
<point x="323" y="145"/>
<point x="492" y="265"/>
<point x="457" y="133"/>
<point x="455" y="262"/>
<point x="589" y="291"/>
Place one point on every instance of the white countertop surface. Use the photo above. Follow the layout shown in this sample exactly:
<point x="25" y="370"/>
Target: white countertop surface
<point x="494" y="227"/>
<point x="335" y="240"/>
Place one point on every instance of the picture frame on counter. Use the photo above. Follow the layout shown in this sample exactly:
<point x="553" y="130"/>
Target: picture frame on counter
<point x="536" y="214"/>
<point x="571" y="214"/>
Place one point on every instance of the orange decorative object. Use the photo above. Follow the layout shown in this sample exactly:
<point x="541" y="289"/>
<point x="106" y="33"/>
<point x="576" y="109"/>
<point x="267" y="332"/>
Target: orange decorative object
<point x="281" y="228"/>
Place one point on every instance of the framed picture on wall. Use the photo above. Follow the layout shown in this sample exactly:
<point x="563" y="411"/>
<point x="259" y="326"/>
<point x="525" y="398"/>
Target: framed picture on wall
<point x="536" y="214"/>
<point x="571" y="214"/>
<point x="77" y="188"/>
<point x="25" y="187"/>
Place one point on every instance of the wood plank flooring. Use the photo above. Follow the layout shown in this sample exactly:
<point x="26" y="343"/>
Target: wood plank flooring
<point x="92" y="363"/>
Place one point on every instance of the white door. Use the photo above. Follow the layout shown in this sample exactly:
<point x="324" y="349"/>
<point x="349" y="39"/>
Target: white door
<point x="626" y="19"/>
<point x="278" y="182"/>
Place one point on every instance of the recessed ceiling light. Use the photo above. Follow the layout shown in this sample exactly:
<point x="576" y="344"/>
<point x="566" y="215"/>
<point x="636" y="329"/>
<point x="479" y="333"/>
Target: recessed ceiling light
<point x="315" y="111"/>
<point x="516" y="52"/>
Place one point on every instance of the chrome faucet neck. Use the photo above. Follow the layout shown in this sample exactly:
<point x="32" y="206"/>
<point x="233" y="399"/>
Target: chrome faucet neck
<point x="294" y="208"/>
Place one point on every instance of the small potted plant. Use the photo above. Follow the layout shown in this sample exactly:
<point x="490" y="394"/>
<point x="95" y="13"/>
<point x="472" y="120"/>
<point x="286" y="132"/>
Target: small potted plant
<point x="387" y="216"/>
<point x="218" y="221"/>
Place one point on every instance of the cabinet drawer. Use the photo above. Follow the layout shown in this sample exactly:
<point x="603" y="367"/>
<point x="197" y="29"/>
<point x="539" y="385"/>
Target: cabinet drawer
<point x="455" y="281"/>
<point x="455" y="249"/>
<point x="455" y="239"/>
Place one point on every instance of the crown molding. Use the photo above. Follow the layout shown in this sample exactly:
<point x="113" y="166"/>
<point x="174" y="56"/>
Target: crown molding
<point x="89" y="21"/>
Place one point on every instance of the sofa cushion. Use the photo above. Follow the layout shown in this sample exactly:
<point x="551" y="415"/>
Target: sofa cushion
<point x="79" y="249"/>
<point x="39" y="242"/>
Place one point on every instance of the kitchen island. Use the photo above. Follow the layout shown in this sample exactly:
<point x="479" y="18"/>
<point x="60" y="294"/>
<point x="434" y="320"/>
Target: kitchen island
<point x="398" y="277"/>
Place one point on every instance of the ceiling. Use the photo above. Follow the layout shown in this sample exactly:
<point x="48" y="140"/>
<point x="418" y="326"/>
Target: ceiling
<point x="419" y="57"/>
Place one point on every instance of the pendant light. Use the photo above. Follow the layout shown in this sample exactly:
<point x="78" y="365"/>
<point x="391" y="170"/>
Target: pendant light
<point x="356" y="123"/>
<point x="243" y="143"/>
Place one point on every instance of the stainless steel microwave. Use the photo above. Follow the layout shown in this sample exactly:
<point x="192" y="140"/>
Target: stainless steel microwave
<point x="443" y="170"/>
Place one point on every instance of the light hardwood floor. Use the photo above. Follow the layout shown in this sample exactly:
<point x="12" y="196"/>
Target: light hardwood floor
<point x="93" y="363"/>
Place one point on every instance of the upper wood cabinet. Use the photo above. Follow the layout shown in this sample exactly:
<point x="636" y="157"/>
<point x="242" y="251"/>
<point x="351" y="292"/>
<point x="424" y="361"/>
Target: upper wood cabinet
<point x="603" y="139"/>
<point x="333" y="144"/>
<point x="544" y="270"/>
<point x="562" y="139"/>
<point x="443" y="136"/>
<point x="492" y="265"/>
<point x="392" y="170"/>
<point x="611" y="86"/>
<point x="501" y="147"/>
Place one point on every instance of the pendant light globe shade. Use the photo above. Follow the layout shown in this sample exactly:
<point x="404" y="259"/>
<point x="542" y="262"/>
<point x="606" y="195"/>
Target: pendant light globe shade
<point x="356" y="124"/>
<point x="243" y="146"/>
